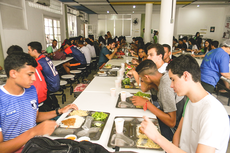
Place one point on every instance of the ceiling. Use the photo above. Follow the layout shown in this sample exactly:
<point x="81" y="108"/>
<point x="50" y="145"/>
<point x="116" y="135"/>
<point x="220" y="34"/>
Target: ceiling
<point x="126" y="6"/>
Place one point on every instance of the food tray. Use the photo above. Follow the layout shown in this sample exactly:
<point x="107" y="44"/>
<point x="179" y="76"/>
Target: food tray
<point x="94" y="132"/>
<point x="108" y="73"/>
<point x="130" y="137"/>
<point x="131" y="86"/>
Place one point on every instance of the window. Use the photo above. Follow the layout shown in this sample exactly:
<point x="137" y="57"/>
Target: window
<point x="117" y="24"/>
<point x="52" y="31"/>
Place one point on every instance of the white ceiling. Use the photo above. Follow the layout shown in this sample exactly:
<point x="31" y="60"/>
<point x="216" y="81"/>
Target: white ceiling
<point x="126" y="6"/>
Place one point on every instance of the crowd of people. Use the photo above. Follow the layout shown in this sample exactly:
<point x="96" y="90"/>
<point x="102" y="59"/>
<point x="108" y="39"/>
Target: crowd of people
<point x="187" y="113"/>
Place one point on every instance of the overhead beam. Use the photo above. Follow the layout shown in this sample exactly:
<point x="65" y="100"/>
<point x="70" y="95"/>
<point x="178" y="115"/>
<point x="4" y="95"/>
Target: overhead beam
<point x="143" y="3"/>
<point x="112" y="6"/>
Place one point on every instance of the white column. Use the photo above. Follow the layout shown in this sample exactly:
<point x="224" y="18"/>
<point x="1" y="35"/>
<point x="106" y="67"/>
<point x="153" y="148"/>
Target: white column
<point x="167" y="19"/>
<point x="148" y="21"/>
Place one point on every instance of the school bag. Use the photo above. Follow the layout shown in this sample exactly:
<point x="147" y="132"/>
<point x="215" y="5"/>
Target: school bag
<point x="46" y="145"/>
<point x="59" y="55"/>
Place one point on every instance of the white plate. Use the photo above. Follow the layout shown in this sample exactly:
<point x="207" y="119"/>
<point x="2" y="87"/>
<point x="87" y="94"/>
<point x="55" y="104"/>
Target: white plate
<point x="78" y="122"/>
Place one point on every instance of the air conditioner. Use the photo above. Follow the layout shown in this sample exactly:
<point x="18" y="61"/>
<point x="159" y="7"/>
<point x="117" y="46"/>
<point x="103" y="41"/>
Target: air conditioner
<point x="42" y="2"/>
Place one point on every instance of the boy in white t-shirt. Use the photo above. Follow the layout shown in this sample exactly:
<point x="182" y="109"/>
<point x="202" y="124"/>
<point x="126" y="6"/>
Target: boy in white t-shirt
<point x="205" y="125"/>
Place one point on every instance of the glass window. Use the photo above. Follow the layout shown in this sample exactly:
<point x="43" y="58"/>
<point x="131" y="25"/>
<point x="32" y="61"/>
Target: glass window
<point x="52" y="31"/>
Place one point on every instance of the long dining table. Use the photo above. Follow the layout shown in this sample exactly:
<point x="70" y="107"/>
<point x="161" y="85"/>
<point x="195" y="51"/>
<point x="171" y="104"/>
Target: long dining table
<point x="97" y="97"/>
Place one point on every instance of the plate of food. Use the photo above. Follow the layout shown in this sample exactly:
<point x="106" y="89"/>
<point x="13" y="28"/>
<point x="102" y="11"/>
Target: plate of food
<point x="108" y="66"/>
<point x="101" y="72"/>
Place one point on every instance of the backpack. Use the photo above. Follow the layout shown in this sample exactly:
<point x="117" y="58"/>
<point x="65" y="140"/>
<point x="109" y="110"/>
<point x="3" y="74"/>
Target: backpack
<point x="46" y="145"/>
<point x="59" y="56"/>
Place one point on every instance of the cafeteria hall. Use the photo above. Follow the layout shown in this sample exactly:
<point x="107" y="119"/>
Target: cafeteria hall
<point x="105" y="76"/>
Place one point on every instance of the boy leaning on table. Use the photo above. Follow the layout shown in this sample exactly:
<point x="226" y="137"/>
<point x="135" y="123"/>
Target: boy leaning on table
<point x="205" y="125"/>
<point x="19" y="105"/>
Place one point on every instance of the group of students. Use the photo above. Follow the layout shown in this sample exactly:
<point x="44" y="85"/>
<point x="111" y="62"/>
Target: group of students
<point x="185" y="109"/>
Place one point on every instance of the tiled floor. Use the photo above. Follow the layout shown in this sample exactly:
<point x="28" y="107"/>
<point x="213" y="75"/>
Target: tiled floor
<point x="71" y="98"/>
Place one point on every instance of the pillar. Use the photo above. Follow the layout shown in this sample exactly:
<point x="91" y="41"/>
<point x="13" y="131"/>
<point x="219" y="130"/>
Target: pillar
<point x="167" y="20"/>
<point x="148" y="21"/>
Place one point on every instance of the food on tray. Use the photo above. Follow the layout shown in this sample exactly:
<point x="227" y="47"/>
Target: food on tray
<point x="79" y="113"/>
<point x="69" y="122"/>
<point x="140" y="131"/>
<point x="72" y="122"/>
<point x="71" y="137"/>
<point x="142" y="138"/>
<point x="126" y="81"/>
<point x="99" y="116"/>
<point x="141" y="94"/>
<point x="108" y="66"/>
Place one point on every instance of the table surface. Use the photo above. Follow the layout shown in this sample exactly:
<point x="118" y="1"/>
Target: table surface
<point x="96" y="97"/>
<point x="58" y="62"/>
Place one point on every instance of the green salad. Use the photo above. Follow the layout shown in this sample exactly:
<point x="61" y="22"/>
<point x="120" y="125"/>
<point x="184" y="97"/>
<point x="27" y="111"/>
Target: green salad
<point x="126" y="81"/>
<point x="99" y="116"/>
<point x="141" y="94"/>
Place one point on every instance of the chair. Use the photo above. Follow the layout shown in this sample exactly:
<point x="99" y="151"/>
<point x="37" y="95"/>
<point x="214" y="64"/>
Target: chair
<point x="70" y="79"/>
<point x="77" y="74"/>
<point x="84" y="72"/>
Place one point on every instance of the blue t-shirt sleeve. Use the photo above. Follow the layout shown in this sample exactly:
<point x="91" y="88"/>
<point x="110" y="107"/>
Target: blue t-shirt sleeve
<point x="224" y="63"/>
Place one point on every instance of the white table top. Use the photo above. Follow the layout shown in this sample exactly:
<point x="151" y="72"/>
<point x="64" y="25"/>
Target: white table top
<point x="58" y="62"/>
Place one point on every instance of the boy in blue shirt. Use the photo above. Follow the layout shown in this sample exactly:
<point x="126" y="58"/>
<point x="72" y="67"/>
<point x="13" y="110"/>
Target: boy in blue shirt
<point x="19" y="105"/>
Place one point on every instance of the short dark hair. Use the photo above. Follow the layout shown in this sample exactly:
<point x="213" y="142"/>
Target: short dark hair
<point x="185" y="63"/>
<point x="159" y="49"/>
<point x="181" y="40"/>
<point x="91" y="37"/>
<point x="147" y="67"/>
<point x="167" y="46"/>
<point x="54" y="40"/>
<point x="36" y="45"/>
<point x="110" y="41"/>
<point x="14" y="49"/>
<point x="88" y="41"/>
<point x="185" y="38"/>
<point x="18" y="61"/>
<point x="80" y="42"/>
<point x="215" y="43"/>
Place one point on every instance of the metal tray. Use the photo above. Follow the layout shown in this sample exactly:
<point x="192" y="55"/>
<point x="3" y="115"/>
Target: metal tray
<point x="94" y="132"/>
<point x="129" y="138"/>
<point x="127" y="104"/>
<point x="108" y="73"/>
<point x="131" y="86"/>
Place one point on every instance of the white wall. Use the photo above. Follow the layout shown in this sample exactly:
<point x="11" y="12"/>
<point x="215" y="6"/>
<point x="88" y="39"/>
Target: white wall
<point x="191" y="19"/>
<point x="35" y="31"/>
<point x="93" y="19"/>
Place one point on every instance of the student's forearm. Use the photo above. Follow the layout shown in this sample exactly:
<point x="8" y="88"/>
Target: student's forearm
<point x="176" y="136"/>
<point x="168" y="146"/>
<point x="164" y="117"/>
<point x="111" y="55"/>
<point x="16" y="143"/>
<point x="42" y="116"/>
<point x="136" y="77"/>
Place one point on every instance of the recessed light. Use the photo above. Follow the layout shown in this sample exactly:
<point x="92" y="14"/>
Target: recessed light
<point x="107" y="11"/>
<point x="134" y="6"/>
<point x="133" y="11"/>
<point x="198" y="6"/>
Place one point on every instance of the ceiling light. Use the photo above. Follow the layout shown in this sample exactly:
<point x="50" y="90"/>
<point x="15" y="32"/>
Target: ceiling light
<point x="107" y="11"/>
<point x="134" y="6"/>
<point x="198" y="6"/>
<point x="133" y="11"/>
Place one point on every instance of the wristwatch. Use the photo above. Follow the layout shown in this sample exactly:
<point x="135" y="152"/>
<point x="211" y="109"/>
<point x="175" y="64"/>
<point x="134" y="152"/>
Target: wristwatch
<point x="57" y="111"/>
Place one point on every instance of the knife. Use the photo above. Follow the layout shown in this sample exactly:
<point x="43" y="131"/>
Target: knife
<point x="63" y="116"/>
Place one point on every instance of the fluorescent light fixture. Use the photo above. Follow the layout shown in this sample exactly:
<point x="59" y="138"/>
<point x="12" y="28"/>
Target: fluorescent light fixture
<point x="134" y="6"/>
<point x="107" y="11"/>
<point x="198" y="6"/>
<point x="133" y="11"/>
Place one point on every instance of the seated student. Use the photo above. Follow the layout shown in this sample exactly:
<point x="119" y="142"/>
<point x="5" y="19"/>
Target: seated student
<point x="85" y="50"/>
<point x="194" y="47"/>
<point x="205" y="50"/>
<point x="205" y="126"/>
<point x="39" y="83"/>
<point x="185" y="40"/>
<point x="53" y="48"/>
<point x="181" y="45"/>
<point x="142" y="55"/>
<point x="89" y="45"/>
<point x="79" y="58"/>
<point x="105" y="54"/>
<point x="167" y="54"/>
<point x="214" y="44"/>
<point x="95" y="44"/>
<point x="171" y="105"/>
<point x="19" y="106"/>
<point x="49" y="72"/>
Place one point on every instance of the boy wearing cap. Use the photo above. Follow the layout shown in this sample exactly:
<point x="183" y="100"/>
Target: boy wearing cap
<point x="214" y="65"/>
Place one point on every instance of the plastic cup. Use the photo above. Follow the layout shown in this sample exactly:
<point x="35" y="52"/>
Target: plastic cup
<point x="192" y="52"/>
<point x="119" y="123"/>
<point x="119" y="78"/>
<point x="123" y="96"/>
<point x="113" y="92"/>
<point x="117" y="83"/>
<point x="123" y="65"/>
<point x="127" y="61"/>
